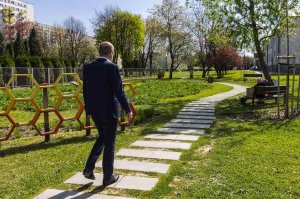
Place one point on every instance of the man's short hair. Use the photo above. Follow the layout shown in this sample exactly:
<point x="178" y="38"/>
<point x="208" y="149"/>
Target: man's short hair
<point x="106" y="48"/>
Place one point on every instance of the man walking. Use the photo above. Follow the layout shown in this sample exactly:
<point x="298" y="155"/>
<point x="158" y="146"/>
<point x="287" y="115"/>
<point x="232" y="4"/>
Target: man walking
<point x="102" y="90"/>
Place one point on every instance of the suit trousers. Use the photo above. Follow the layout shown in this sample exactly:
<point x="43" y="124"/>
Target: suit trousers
<point x="107" y="129"/>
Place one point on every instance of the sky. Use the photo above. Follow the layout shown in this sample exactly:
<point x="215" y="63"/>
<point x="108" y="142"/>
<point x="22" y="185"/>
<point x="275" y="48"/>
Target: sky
<point x="55" y="11"/>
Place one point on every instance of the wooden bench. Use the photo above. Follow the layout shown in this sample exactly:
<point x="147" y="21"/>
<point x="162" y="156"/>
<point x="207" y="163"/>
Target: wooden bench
<point x="264" y="93"/>
<point x="253" y="75"/>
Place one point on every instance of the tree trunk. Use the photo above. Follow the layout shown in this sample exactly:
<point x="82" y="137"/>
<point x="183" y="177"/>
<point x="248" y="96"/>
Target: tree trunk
<point x="150" y="62"/>
<point x="172" y="67"/>
<point x="191" y="72"/>
<point x="259" y="51"/>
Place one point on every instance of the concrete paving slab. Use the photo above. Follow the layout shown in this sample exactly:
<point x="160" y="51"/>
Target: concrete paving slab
<point x="201" y="104"/>
<point x="131" y="165"/>
<point x="187" y="126"/>
<point x="196" y="117"/>
<point x="205" y="110"/>
<point x="137" y="183"/>
<point x="78" y="178"/>
<point x="197" y="113"/>
<point x="172" y="137"/>
<point x="162" y="144"/>
<point x="182" y="131"/>
<point x="151" y="154"/>
<point x="62" y="194"/>
<point x="192" y="121"/>
<point x="125" y="182"/>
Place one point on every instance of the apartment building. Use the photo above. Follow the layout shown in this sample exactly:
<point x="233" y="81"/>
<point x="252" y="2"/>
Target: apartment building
<point x="13" y="10"/>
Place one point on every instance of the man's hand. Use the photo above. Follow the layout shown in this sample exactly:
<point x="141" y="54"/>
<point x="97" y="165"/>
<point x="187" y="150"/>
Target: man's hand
<point x="130" y="117"/>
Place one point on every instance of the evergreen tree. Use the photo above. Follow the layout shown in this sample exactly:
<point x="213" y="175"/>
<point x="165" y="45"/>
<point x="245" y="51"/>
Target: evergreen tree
<point x="8" y="64"/>
<point x="10" y="49"/>
<point x="1" y="77"/>
<point x="38" y="69"/>
<point x="48" y="66"/>
<point x="34" y="44"/>
<point x="26" y="47"/>
<point x="22" y="66"/>
<point x="2" y="44"/>
<point x="19" y="47"/>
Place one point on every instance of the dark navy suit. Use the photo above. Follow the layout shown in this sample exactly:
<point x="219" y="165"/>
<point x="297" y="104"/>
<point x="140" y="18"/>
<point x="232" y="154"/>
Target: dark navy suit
<point x="102" y="91"/>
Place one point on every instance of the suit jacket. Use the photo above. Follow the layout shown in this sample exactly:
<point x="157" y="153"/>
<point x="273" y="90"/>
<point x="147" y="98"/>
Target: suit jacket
<point x="102" y="89"/>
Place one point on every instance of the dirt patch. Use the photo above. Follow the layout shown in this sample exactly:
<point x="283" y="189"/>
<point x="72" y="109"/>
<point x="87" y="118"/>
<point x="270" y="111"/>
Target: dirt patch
<point x="205" y="149"/>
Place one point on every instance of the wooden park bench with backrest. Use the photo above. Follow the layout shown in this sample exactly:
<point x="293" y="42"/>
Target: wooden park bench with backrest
<point x="268" y="92"/>
<point x="262" y="93"/>
<point x="252" y="75"/>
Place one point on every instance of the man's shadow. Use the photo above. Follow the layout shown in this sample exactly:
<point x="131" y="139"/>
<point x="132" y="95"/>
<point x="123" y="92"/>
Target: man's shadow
<point x="83" y="195"/>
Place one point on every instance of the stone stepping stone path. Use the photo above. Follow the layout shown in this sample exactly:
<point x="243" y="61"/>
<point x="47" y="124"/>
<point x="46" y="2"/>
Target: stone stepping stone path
<point x="178" y="134"/>
<point x="150" y="154"/>
<point x="139" y="166"/>
<point x="197" y="110"/>
<point x="59" y="194"/>
<point x="172" y="137"/>
<point x="162" y="144"/>
<point x="192" y="121"/>
<point x="124" y="182"/>
<point x="197" y="113"/>
<point x="188" y="126"/>
<point x="181" y="131"/>
<point x="197" y="117"/>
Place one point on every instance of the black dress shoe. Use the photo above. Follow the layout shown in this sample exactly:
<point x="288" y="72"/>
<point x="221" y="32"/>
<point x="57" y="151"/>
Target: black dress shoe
<point x="89" y="175"/>
<point x="113" y="179"/>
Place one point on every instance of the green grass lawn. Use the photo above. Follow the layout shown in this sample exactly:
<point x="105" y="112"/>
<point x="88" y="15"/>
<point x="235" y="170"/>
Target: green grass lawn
<point x="252" y="156"/>
<point x="28" y="166"/>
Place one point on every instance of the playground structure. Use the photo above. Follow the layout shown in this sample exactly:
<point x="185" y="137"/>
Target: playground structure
<point x="46" y="110"/>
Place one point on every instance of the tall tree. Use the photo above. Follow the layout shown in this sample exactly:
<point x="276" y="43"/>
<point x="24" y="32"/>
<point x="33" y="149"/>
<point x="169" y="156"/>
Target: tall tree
<point x="124" y="29"/>
<point x="201" y="26"/>
<point x="2" y="44"/>
<point x="105" y="27"/>
<point x="253" y="22"/>
<point x="152" y="39"/>
<point x="171" y="14"/>
<point x="19" y="46"/>
<point x="34" y="44"/>
<point x="75" y="36"/>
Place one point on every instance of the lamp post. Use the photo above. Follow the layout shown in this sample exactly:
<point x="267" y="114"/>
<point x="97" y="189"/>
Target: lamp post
<point x="288" y="61"/>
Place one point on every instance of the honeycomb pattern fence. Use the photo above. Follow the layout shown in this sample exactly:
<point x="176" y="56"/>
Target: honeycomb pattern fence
<point x="41" y="111"/>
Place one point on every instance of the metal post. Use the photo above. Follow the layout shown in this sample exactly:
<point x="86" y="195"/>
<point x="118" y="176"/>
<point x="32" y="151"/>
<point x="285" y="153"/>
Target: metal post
<point x="293" y="89"/>
<point x="88" y="123"/>
<point x="46" y="114"/>
<point x="49" y="76"/>
<point x="278" y="93"/>
<point x="298" y="100"/>
<point x="63" y="79"/>
<point x="32" y="76"/>
<point x="13" y="82"/>
<point x="288" y="62"/>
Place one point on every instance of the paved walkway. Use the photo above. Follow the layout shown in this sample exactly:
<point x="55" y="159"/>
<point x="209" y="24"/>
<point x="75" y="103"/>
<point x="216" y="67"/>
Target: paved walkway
<point x="176" y="135"/>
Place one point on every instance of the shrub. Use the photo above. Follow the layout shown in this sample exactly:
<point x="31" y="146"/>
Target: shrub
<point x="8" y="64"/>
<point x="48" y="65"/>
<point x="144" y="112"/>
<point x="57" y="65"/>
<point x="1" y="77"/>
<point x="23" y="67"/>
<point x="38" y="69"/>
